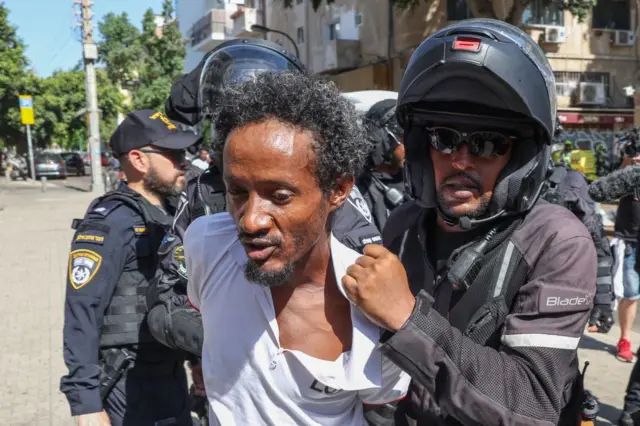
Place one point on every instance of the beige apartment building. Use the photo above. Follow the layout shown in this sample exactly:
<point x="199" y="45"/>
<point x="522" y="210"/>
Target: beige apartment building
<point x="596" y="63"/>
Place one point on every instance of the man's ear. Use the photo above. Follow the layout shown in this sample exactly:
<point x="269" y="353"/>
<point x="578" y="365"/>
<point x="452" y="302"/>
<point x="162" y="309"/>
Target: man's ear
<point x="138" y="161"/>
<point x="340" y="192"/>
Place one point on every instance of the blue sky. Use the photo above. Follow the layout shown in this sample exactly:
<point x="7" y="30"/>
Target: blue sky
<point x="46" y="26"/>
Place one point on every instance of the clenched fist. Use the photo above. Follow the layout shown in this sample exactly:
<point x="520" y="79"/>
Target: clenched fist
<point x="377" y="284"/>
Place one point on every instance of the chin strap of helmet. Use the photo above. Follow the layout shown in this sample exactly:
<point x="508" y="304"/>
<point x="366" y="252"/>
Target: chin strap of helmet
<point x="466" y="222"/>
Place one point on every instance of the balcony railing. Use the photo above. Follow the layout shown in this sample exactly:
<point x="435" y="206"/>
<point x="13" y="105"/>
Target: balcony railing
<point x="210" y="28"/>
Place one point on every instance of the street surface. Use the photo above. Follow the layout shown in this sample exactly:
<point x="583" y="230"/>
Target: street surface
<point x="35" y="235"/>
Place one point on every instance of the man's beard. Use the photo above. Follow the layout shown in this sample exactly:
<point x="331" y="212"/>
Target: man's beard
<point x="475" y="212"/>
<point x="152" y="183"/>
<point x="253" y="273"/>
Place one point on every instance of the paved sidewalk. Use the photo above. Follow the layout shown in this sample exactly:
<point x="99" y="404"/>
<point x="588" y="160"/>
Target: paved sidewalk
<point x="35" y="235"/>
<point x="34" y="241"/>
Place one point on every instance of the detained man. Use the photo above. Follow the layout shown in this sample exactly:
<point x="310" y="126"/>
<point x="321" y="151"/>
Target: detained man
<point x="282" y="344"/>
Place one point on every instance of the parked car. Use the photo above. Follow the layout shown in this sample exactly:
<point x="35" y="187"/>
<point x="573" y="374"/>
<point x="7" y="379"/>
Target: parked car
<point x="74" y="163"/>
<point x="50" y="165"/>
<point x="104" y="159"/>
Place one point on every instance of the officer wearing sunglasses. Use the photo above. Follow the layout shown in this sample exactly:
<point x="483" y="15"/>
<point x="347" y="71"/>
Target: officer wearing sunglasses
<point x="118" y="373"/>
<point x="484" y="289"/>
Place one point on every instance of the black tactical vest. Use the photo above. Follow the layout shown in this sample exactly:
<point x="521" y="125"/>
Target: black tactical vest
<point x="124" y="321"/>
<point x="482" y="308"/>
<point x="209" y="195"/>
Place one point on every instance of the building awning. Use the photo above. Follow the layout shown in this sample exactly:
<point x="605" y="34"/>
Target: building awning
<point x="596" y="117"/>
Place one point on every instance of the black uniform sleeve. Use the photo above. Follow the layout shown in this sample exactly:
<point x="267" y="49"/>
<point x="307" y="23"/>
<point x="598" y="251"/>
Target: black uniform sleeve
<point x="170" y="319"/>
<point x="100" y="249"/>
<point x="527" y="380"/>
<point x="353" y="224"/>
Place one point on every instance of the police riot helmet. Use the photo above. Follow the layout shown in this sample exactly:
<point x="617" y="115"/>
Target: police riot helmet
<point x="482" y="73"/>
<point x="238" y="60"/>
<point x="383" y="130"/>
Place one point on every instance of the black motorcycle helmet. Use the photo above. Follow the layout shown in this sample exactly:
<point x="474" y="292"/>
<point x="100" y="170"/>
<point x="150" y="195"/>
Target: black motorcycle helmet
<point x="237" y="60"/>
<point x="484" y="73"/>
<point x="383" y="130"/>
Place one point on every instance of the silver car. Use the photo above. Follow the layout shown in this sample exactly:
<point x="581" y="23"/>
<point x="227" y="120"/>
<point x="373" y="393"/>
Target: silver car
<point x="50" y="165"/>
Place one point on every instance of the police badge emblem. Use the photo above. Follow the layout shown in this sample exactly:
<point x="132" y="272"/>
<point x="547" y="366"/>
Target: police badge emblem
<point x="178" y="256"/>
<point x="83" y="265"/>
<point x="356" y="199"/>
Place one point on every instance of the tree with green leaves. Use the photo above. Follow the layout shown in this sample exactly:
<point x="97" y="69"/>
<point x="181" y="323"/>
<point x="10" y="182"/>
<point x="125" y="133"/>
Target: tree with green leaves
<point x="506" y="10"/>
<point x="61" y="109"/>
<point x="163" y="56"/>
<point x="119" y="48"/>
<point x="15" y="80"/>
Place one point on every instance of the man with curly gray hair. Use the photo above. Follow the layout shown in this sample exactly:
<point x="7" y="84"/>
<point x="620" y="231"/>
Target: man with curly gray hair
<point x="282" y="343"/>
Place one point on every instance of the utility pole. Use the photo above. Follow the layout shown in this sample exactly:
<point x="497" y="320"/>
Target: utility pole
<point x="90" y="55"/>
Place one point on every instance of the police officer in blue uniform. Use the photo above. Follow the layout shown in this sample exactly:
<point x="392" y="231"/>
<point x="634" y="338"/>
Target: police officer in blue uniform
<point x="118" y="373"/>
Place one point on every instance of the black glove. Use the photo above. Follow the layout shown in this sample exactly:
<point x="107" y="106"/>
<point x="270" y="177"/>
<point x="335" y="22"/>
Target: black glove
<point x="602" y="317"/>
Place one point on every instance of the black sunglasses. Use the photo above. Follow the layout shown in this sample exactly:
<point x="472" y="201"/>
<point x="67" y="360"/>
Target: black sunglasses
<point x="481" y="143"/>
<point x="178" y="155"/>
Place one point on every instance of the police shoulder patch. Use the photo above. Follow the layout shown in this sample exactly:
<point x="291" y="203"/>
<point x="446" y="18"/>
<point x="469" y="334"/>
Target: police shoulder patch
<point x="140" y="230"/>
<point x="178" y="257"/>
<point x="89" y="237"/>
<point x="178" y="254"/>
<point x="356" y="199"/>
<point x="83" y="266"/>
<point x="103" y="209"/>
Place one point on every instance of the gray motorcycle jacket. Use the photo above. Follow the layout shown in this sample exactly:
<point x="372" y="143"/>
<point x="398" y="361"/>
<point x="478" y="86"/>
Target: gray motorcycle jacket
<point x="522" y="368"/>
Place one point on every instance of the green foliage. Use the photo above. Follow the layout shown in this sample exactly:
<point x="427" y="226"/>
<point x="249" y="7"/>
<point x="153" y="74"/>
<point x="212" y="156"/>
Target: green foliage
<point x="147" y="61"/>
<point x="15" y="80"/>
<point x="59" y="109"/>
<point x="162" y="59"/>
<point x="143" y="62"/>
<point x="119" y="49"/>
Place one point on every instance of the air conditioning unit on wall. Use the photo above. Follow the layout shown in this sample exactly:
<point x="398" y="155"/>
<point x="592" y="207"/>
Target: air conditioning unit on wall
<point x="555" y="35"/>
<point x="623" y="38"/>
<point x="592" y="94"/>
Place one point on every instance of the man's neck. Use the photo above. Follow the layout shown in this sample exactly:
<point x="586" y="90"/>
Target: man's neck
<point x="151" y="197"/>
<point x="312" y="270"/>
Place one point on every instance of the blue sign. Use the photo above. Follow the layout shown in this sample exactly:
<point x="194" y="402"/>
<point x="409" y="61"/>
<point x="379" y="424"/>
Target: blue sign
<point x="26" y="102"/>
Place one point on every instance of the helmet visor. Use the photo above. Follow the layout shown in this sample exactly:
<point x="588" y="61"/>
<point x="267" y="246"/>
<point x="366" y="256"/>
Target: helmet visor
<point x="235" y="64"/>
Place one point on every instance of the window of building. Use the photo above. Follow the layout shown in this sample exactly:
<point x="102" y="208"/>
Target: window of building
<point x="300" y="35"/>
<point x="568" y="82"/>
<point x="358" y="19"/>
<point x="611" y="15"/>
<point x="540" y="13"/>
<point x="332" y="31"/>
<point x="299" y="1"/>
<point x="457" y="10"/>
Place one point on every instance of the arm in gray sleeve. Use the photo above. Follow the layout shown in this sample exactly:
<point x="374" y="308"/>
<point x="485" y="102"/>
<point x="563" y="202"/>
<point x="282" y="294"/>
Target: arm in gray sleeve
<point x="525" y="380"/>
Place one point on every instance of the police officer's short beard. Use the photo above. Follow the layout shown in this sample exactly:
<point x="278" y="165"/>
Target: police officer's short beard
<point x="153" y="183"/>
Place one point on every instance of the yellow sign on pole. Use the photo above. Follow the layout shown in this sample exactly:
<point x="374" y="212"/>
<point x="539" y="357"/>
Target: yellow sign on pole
<point x="26" y="110"/>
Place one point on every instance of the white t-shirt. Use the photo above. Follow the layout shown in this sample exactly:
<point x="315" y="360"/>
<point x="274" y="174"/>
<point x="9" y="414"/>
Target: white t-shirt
<point x="249" y="378"/>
